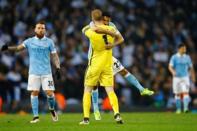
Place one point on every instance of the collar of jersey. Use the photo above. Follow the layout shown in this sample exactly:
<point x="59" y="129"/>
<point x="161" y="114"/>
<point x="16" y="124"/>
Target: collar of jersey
<point x="40" y="39"/>
<point x="179" y="55"/>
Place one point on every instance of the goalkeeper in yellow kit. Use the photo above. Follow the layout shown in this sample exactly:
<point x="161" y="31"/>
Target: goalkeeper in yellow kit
<point x="99" y="68"/>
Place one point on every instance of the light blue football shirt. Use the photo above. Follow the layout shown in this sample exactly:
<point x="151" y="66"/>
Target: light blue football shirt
<point x="181" y="64"/>
<point x="39" y="54"/>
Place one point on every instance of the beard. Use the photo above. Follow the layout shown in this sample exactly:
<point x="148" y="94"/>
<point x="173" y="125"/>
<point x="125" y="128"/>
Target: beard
<point x="40" y="36"/>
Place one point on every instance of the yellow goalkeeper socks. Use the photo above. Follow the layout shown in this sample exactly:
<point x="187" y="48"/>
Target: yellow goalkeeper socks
<point x="114" y="102"/>
<point x="86" y="104"/>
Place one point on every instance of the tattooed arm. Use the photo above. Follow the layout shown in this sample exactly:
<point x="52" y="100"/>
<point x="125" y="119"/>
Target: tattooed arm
<point x="55" y="60"/>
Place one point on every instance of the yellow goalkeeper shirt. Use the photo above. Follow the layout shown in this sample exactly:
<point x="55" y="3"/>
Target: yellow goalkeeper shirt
<point x="99" y="56"/>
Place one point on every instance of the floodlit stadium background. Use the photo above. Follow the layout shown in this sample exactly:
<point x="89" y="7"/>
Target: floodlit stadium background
<point x="152" y="30"/>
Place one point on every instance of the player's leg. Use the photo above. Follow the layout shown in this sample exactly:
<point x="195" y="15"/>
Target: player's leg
<point x="177" y="92"/>
<point x="119" y="68"/>
<point x="107" y="80"/>
<point x="185" y="90"/>
<point x="91" y="79"/>
<point x="51" y="104"/>
<point x="48" y="87"/>
<point x="34" y="83"/>
<point x="178" y="103"/>
<point x="114" y="103"/>
<point x="35" y="106"/>
<point x="95" y="103"/>
<point x="186" y="102"/>
<point x="86" y="105"/>
<point x="133" y="81"/>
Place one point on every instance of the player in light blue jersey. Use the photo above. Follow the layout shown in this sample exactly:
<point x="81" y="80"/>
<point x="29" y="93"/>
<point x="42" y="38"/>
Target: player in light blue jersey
<point x="181" y="69"/>
<point x="117" y="68"/>
<point x="40" y="48"/>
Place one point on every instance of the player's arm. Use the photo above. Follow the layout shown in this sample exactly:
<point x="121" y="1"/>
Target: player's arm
<point x="191" y="70"/>
<point x="86" y="31"/>
<point x="118" y="37"/>
<point x="13" y="48"/>
<point x="192" y="73"/>
<point x="171" y="69"/>
<point x="170" y="66"/>
<point x="118" y="40"/>
<point x="55" y="60"/>
<point x="100" y="30"/>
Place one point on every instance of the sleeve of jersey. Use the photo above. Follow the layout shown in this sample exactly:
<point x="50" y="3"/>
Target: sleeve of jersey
<point x="86" y="30"/>
<point x="26" y="43"/>
<point x="114" y="26"/>
<point x="171" y="61"/>
<point x="52" y="47"/>
<point x="91" y="24"/>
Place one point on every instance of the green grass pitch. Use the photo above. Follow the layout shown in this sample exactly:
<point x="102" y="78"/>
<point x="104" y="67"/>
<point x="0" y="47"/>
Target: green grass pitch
<point x="133" y="122"/>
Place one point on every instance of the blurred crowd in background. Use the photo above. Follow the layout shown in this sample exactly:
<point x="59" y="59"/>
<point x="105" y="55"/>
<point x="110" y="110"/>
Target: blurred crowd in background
<point x="152" y="30"/>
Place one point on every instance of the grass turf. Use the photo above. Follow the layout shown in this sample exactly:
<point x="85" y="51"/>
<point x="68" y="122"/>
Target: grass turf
<point x="133" y="122"/>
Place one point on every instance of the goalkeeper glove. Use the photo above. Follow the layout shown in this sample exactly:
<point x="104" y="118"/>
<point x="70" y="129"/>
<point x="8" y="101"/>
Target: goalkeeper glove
<point x="58" y="74"/>
<point x="4" y="48"/>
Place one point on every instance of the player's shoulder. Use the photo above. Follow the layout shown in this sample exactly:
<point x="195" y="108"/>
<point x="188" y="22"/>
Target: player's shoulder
<point x="30" y="38"/>
<point x="85" y="28"/>
<point x="112" y="24"/>
<point x="175" y="55"/>
<point x="48" y="40"/>
<point x="187" y="56"/>
<point x="108" y="27"/>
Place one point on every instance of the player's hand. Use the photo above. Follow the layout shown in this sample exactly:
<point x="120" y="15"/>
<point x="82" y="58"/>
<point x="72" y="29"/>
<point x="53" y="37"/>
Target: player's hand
<point x="109" y="46"/>
<point x="58" y="74"/>
<point x="4" y="48"/>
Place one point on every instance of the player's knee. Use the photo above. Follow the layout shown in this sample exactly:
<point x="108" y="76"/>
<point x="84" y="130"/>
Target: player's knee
<point x="177" y="95"/>
<point x="123" y="72"/>
<point x="34" y="93"/>
<point x="109" y="89"/>
<point x="49" y="93"/>
<point x="88" y="89"/>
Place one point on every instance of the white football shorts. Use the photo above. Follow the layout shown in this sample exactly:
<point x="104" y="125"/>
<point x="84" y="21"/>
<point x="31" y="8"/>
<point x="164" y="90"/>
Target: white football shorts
<point x="117" y="66"/>
<point x="181" y="85"/>
<point x="36" y="81"/>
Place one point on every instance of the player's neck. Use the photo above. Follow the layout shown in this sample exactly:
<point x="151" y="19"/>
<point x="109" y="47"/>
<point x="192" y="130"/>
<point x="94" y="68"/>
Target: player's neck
<point x="39" y="36"/>
<point x="181" y="54"/>
<point x="98" y="22"/>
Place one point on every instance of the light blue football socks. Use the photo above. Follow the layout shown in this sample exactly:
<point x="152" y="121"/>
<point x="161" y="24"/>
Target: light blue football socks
<point x="34" y="104"/>
<point x="51" y="102"/>
<point x="178" y="104"/>
<point x="95" y="100"/>
<point x="185" y="103"/>
<point x="133" y="81"/>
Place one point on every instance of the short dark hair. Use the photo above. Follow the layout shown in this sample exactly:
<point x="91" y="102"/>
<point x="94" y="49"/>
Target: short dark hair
<point x="41" y="22"/>
<point x="106" y="14"/>
<point x="181" y="45"/>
